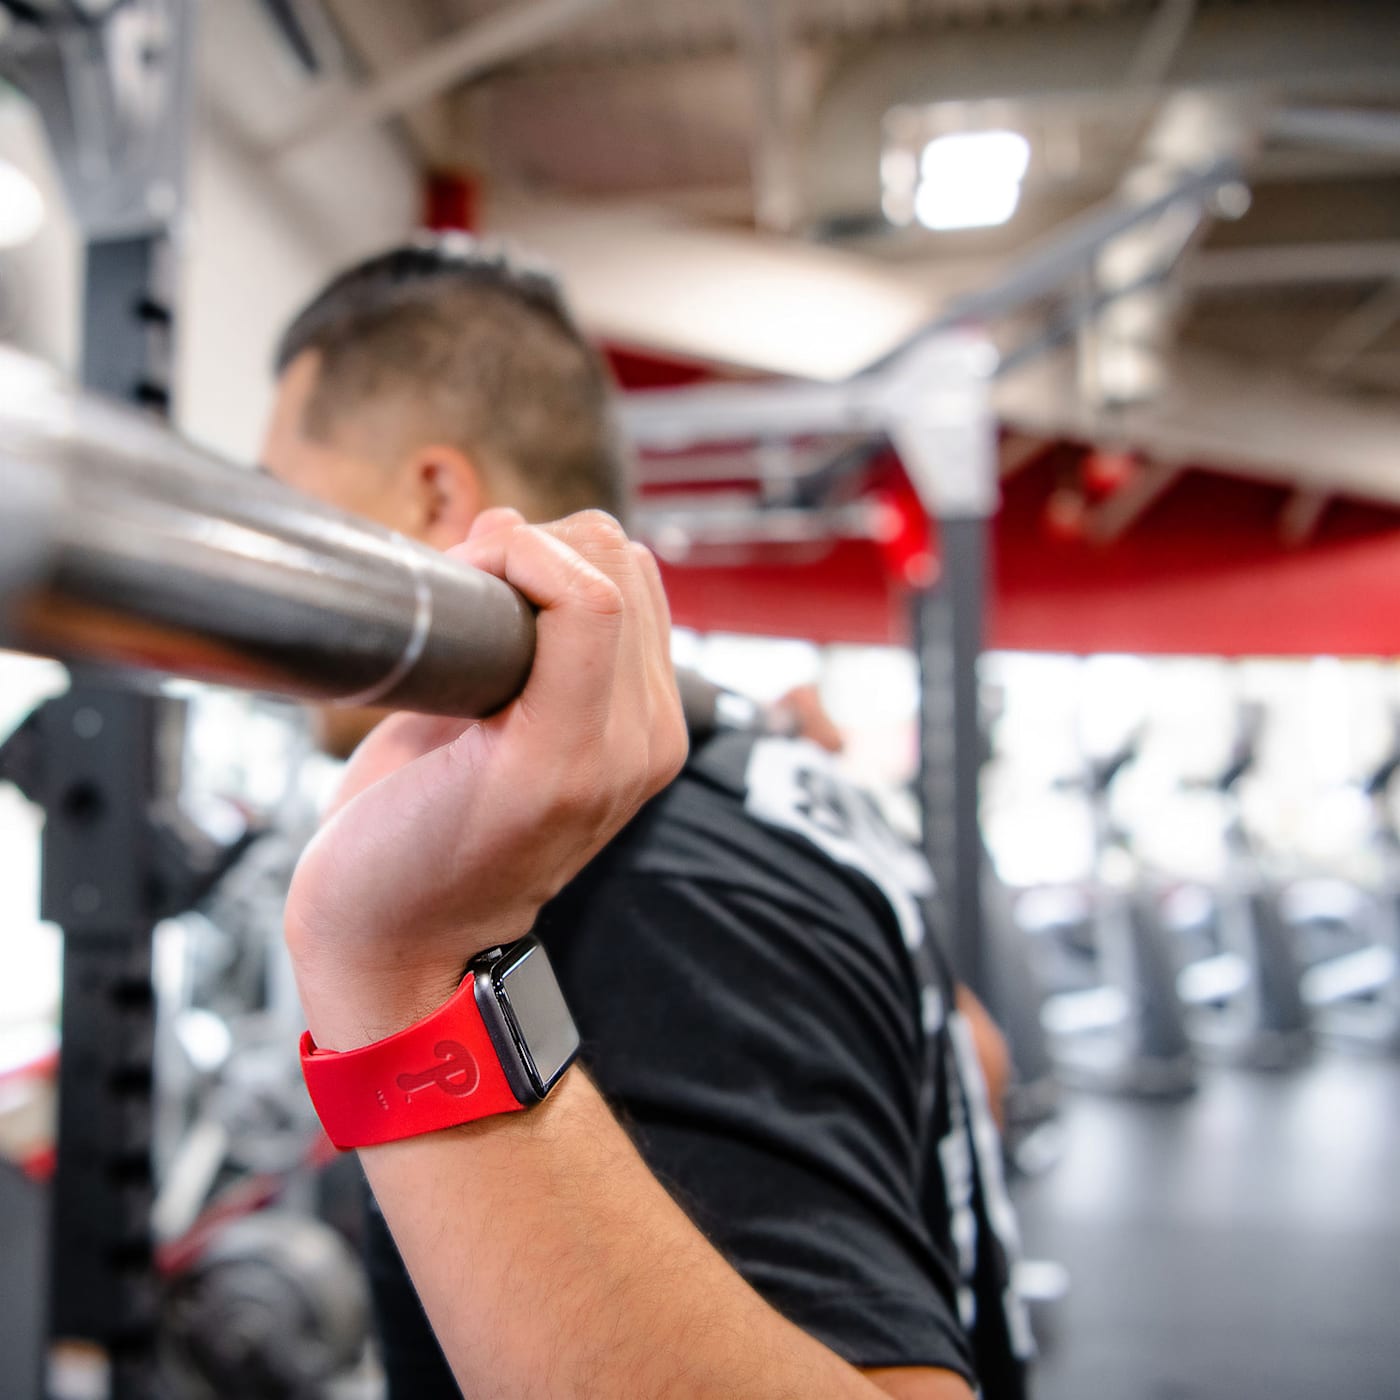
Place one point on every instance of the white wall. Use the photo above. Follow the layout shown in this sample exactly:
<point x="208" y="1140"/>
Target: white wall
<point x="266" y="233"/>
<point x="249" y="263"/>
<point x="260" y="236"/>
<point x="38" y="281"/>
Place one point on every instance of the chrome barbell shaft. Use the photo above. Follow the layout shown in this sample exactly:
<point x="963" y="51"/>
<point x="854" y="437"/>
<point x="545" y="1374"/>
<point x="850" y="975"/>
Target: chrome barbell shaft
<point x="123" y="544"/>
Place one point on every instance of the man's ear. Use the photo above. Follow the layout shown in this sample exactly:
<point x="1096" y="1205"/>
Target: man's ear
<point x="448" y="494"/>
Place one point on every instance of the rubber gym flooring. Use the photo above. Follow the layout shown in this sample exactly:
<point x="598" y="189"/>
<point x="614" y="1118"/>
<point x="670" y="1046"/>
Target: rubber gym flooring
<point x="1241" y="1245"/>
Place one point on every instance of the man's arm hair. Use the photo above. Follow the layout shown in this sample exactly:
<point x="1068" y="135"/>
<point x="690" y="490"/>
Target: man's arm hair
<point x="551" y="1263"/>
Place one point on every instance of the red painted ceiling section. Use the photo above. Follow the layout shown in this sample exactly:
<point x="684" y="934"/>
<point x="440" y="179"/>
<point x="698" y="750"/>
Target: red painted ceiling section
<point x="1203" y="571"/>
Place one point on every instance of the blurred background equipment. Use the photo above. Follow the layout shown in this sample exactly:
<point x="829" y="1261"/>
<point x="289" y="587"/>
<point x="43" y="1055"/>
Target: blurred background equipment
<point x="962" y="341"/>
<point x="1251" y="989"/>
<point x="274" y="1308"/>
<point x="1125" y="1031"/>
<point x="1354" y="991"/>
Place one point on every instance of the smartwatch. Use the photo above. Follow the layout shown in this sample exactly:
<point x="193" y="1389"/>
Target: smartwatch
<point x="500" y="1043"/>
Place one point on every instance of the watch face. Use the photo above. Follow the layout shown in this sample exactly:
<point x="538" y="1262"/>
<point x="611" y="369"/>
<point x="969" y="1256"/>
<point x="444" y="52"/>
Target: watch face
<point x="544" y="1029"/>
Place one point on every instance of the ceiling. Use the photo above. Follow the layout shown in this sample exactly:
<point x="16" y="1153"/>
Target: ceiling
<point x="681" y="30"/>
<point x="665" y="153"/>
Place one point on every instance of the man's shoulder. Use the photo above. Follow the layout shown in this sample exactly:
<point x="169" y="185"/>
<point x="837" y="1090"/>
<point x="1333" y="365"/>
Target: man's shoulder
<point x="704" y="827"/>
<point x="714" y="820"/>
<point x="732" y="901"/>
<point x="774" y="818"/>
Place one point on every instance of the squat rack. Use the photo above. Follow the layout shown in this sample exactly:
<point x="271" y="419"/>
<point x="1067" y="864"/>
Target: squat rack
<point x="114" y="92"/>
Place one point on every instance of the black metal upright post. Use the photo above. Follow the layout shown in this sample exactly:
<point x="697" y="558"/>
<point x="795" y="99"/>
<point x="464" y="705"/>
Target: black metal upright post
<point x="943" y="429"/>
<point x="103" y="787"/>
<point x="102" y="760"/>
<point x="948" y="633"/>
<point x="128" y="319"/>
<point x="113" y="781"/>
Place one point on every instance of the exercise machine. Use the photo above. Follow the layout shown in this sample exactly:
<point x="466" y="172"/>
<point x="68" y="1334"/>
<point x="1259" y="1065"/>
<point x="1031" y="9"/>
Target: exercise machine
<point x="1126" y="1033"/>
<point x="1354" y="996"/>
<point x="1247" y="1003"/>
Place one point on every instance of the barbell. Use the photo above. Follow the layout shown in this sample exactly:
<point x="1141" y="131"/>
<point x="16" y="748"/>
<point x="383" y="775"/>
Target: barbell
<point x="123" y="544"/>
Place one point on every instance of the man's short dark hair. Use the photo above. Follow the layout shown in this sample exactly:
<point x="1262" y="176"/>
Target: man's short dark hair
<point x="487" y="356"/>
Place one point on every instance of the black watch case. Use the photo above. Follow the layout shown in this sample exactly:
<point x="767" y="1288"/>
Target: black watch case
<point x="526" y="1016"/>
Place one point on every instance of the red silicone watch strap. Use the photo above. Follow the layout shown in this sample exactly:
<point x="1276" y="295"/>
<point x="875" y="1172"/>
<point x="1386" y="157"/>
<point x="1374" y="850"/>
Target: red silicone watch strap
<point x="439" y="1072"/>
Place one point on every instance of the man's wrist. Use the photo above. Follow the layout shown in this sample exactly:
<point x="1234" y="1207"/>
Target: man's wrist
<point x="498" y="1044"/>
<point x="348" y="1013"/>
<point x="348" y="1004"/>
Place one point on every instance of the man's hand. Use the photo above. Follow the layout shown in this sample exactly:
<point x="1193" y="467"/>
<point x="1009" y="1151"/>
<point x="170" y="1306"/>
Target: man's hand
<point x="449" y="835"/>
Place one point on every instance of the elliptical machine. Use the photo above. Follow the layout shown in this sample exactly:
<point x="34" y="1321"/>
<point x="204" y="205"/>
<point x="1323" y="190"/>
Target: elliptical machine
<point x="1127" y="1033"/>
<point x="1355" y="996"/>
<point x="1247" y="1003"/>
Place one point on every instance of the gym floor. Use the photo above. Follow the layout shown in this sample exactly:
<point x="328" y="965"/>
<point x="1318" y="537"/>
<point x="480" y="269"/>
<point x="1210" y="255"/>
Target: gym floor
<point x="1241" y="1245"/>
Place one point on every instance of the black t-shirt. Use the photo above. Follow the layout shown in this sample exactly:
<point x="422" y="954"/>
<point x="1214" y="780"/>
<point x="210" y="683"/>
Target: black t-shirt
<point x="761" y="999"/>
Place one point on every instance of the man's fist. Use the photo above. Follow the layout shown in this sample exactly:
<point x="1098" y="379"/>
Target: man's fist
<point x="448" y="835"/>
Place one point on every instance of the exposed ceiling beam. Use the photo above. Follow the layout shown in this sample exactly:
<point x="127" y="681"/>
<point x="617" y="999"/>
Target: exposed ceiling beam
<point x="1301" y="515"/>
<point x="783" y="307"/>
<point x="1348" y="130"/>
<point x="1160" y="44"/>
<point x="1290" y="264"/>
<point x="1357" y="331"/>
<point x="790" y="309"/>
<point x="1323" y="50"/>
<point x="1377" y="370"/>
<point x="1054" y="263"/>
<point x="300" y="36"/>
<point x="1219" y="412"/>
<point x="1140" y="274"/>
<point x="1126" y="506"/>
<point x="1304" y="166"/>
<point x="385" y="36"/>
<point x="768" y="38"/>
<point x="1017" y="452"/>
<point x="505" y="34"/>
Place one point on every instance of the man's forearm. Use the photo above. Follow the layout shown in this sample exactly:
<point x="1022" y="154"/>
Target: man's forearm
<point x="553" y="1264"/>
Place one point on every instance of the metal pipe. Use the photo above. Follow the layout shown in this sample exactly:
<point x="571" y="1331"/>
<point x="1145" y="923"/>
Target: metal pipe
<point x="1067" y="250"/>
<point x="672" y="419"/>
<point x="122" y="544"/>
<point x="1289" y="264"/>
<point x="1353" y="129"/>
<point x="673" y="530"/>
<point x="506" y="34"/>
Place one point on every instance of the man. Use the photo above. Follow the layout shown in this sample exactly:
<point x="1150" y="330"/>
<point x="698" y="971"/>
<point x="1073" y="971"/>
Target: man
<point x="748" y="960"/>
